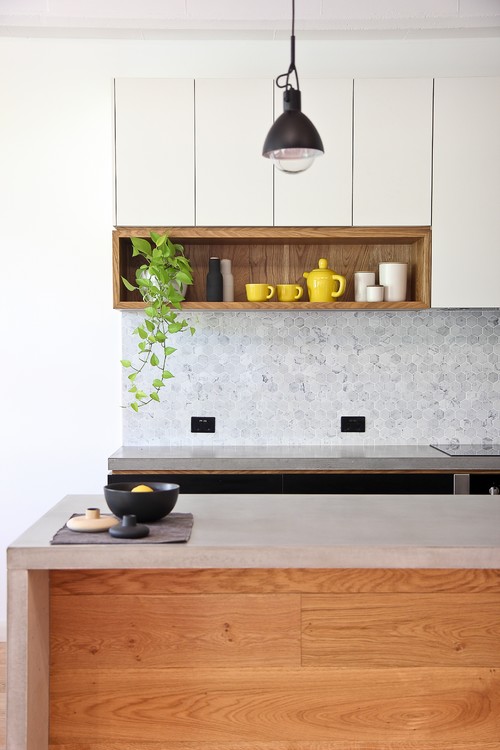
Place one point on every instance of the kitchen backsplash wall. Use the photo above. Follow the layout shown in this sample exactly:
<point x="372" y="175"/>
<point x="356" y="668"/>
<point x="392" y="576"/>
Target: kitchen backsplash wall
<point x="287" y="378"/>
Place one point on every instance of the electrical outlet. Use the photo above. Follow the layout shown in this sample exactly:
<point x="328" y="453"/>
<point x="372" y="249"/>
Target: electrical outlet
<point x="352" y="424"/>
<point x="202" y="424"/>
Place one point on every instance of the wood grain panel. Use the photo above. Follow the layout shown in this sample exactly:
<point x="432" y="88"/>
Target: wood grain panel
<point x="272" y="234"/>
<point x="305" y="745"/>
<point x="401" y="630"/>
<point x="142" y="582"/>
<point x="306" y="705"/>
<point x="175" y="631"/>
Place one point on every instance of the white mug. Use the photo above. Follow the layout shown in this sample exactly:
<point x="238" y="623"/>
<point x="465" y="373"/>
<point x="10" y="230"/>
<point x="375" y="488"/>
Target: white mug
<point x="362" y="279"/>
<point x="375" y="293"/>
<point x="393" y="277"/>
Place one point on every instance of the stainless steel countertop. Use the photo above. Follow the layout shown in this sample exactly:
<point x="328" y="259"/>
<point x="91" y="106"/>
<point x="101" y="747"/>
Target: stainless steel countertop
<point x="258" y="531"/>
<point x="296" y="458"/>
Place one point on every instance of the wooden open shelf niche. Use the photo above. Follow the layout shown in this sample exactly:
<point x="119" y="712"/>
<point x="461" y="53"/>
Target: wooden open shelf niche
<point x="280" y="255"/>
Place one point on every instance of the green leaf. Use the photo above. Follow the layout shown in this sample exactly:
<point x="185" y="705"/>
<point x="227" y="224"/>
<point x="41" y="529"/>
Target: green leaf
<point x="126" y="362"/>
<point x="142" y="333"/>
<point x="183" y="277"/>
<point x="141" y="281"/>
<point x="142" y="346"/>
<point x="168" y="350"/>
<point x="154" y="396"/>
<point x="141" y="245"/>
<point x="166" y="375"/>
<point x="160" y="337"/>
<point x="128" y="285"/>
<point x="132" y="376"/>
<point x="154" y="361"/>
<point x="140" y="395"/>
<point x="192" y="330"/>
<point x="134" y="406"/>
<point x="160" y="240"/>
<point x="152" y="338"/>
<point x="175" y="327"/>
<point x="150" y="312"/>
<point x="150" y="325"/>
<point x="133" y="389"/>
<point x="158" y="383"/>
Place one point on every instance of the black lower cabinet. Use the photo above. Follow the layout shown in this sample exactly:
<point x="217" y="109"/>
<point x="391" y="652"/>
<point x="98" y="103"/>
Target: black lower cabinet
<point x="315" y="484"/>
<point x="369" y="484"/>
<point x="211" y="483"/>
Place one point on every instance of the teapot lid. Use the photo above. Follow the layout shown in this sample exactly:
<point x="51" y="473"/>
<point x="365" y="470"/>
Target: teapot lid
<point x="322" y="270"/>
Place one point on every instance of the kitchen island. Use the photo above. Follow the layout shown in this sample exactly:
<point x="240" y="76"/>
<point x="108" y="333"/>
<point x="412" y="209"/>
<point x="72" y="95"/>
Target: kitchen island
<point x="290" y="622"/>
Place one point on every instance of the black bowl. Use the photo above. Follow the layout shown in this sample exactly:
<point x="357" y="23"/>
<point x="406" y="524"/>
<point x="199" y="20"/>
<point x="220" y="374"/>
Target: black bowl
<point x="145" y="506"/>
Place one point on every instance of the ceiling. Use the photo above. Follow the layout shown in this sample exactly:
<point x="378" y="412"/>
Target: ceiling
<point x="249" y="19"/>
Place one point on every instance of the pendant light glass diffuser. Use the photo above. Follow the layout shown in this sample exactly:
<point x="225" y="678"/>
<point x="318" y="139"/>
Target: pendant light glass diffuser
<point x="293" y="143"/>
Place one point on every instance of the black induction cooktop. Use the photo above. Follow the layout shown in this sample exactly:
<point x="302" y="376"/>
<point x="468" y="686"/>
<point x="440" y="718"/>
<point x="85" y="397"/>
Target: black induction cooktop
<point x="468" y="450"/>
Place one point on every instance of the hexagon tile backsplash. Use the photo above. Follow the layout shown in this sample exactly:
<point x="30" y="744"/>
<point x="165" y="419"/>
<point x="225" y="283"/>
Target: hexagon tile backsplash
<point x="286" y="378"/>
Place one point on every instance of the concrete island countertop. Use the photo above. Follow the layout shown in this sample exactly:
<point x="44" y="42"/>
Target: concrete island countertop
<point x="296" y="458"/>
<point x="318" y="531"/>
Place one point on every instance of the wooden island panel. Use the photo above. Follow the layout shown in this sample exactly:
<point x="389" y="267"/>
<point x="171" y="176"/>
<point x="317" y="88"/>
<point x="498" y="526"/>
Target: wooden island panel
<point x="395" y="630"/>
<point x="275" y="660"/>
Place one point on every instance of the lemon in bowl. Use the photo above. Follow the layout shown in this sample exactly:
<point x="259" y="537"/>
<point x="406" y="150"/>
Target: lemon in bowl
<point x="148" y="503"/>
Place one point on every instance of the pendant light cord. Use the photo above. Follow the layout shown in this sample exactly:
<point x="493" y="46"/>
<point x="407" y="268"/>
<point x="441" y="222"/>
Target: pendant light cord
<point x="292" y="69"/>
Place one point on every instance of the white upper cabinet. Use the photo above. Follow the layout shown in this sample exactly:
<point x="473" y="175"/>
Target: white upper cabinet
<point x="392" y="152"/>
<point x="234" y="183"/>
<point x="466" y="193"/>
<point x="154" y="152"/>
<point x="321" y="196"/>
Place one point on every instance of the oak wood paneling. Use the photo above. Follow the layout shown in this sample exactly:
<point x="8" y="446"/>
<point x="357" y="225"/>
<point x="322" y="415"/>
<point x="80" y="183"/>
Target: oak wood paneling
<point x="265" y="581"/>
<point x="371" y="630"/>
<point x="175" y="631"/>
<point x="263" y="705"/>
<point x="209" y="660"/>
<point x="239" y="745"/>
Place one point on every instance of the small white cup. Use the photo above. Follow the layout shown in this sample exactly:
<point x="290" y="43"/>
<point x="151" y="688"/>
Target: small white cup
<point x="393" y="276"/>
<point x="362" y="279"/>
<point x="375" y="293"/>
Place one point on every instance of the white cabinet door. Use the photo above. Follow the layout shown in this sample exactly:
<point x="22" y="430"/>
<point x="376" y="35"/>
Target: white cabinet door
<point x="466" y="193"/>
<point x="234" y="183"/>
<point x="392" y="152"/>
<point x="321" y="196"/>
<point x="154" y="152"/>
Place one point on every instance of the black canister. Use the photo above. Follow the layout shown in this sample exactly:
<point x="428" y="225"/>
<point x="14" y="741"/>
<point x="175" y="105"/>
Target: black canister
<point x="214" y="281"/>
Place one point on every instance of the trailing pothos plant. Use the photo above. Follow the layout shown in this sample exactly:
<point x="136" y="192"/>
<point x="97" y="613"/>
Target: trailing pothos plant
<point x="161" y="280"/>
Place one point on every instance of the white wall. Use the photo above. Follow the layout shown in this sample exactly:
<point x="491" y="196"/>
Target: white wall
<point x="60" y="377"/>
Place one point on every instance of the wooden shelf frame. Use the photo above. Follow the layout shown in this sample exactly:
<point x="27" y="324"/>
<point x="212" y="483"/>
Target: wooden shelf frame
<point x="280" y="255"/>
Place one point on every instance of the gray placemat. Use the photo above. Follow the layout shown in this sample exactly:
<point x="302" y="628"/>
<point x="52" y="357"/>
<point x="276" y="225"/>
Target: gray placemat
<point x="176" y="527"/>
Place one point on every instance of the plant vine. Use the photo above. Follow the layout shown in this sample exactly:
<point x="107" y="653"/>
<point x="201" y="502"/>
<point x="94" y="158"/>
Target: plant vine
<point x="160" y="281"/>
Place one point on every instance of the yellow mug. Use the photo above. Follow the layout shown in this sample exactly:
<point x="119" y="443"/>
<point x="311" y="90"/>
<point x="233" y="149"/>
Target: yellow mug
<point x="259" y="292"/>
<point x="289" y="292"/>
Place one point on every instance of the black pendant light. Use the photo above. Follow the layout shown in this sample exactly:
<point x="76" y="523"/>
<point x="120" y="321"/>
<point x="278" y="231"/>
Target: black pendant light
<point x="293" y="142"/>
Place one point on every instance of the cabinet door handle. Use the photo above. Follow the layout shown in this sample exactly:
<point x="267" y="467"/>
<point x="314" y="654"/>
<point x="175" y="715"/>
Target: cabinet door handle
<point x="461" y="484"/>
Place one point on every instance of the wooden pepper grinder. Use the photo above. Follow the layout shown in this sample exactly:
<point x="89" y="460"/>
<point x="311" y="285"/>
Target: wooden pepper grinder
<point x="227" y="280"/>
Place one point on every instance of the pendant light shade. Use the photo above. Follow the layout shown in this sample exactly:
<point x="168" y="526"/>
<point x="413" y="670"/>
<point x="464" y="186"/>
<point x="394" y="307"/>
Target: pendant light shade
<point x="293" y="143"/>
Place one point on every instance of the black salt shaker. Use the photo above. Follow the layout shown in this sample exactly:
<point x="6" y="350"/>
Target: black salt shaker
<point x="214" y="281"/>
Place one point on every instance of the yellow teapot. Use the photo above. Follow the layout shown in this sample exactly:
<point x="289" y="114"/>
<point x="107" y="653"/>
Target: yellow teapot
<point x="321" y="283"/>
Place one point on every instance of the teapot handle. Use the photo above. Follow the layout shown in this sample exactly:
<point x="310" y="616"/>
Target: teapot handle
<point x="342" y="283"/>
